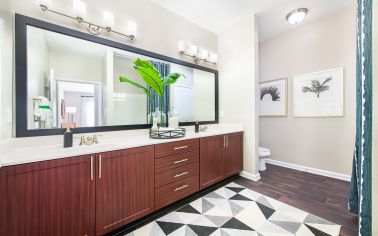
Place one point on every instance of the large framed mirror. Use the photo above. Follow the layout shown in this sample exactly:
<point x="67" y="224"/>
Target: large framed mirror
<point x="68" y="78"/>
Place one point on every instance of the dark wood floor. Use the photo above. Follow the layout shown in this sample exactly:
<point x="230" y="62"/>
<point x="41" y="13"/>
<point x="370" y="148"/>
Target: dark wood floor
<point x="318" y="195"/>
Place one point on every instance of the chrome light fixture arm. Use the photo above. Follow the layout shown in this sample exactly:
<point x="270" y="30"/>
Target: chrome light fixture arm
<point x="92" y="28"/>
<point x="196" y="59"/>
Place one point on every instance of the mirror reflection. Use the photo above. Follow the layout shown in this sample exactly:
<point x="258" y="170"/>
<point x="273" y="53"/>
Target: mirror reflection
<point x="77" y="83"/>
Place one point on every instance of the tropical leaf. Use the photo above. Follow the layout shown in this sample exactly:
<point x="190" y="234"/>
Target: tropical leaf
<point x="317" y="87"/>
<point x="123" y="79"/>
<point x="150" y="75"/>
<point x="326" y="81"/>
<point x="171" y="78"/>
<point x="307" y="89"/>
<point x="315" y="83"/>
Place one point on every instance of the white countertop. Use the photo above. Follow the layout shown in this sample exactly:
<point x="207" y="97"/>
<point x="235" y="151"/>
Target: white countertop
<point x="27" y="150"/>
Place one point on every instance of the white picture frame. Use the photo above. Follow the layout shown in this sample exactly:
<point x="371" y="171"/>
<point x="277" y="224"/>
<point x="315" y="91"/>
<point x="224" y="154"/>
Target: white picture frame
<point x="319" y="94"/>
<point x="273" y="98"/>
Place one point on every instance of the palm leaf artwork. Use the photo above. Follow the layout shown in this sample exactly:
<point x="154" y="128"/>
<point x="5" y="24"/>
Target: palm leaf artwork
<point x="317" y="87"/>
<point x="153" y="79"/>
<point x="272" y="90"/>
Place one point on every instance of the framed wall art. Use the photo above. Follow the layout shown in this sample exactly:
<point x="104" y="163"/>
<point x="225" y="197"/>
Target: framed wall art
<point x="319" y="94"/>
<point x="273" y="98"/>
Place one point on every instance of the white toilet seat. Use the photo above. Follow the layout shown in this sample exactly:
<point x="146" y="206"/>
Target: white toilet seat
<point x="263" y="153"/>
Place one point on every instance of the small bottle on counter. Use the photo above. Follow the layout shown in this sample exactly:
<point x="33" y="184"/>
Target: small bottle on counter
<point x="173" y="121"/>
<point x="68" y="137"/>
<point x="196" y="127"/>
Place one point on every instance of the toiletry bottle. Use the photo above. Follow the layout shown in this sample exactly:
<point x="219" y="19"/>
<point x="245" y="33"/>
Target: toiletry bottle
<point x="68" y="137"/>
<point x="196" y="127"/>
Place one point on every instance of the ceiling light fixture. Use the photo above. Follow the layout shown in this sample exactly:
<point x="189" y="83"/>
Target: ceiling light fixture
<point x="80" y="12"/>
<point x="197" y="55"/>
<point x="296" y="16"/>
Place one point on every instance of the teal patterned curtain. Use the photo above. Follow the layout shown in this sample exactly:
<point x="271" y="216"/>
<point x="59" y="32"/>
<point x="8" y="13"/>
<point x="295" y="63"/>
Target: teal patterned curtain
<point x="360" y="185"/>
<point x="164" y="70"/>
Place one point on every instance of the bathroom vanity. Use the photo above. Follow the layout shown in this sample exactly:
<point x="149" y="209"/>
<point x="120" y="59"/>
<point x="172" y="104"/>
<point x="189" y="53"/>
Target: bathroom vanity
<point x="108" y="185"/>
<point x="96" y="189"/>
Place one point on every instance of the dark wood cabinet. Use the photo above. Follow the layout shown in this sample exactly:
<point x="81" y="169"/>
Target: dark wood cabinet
<point x="96" y="194"/>
<point x="124" y="187"/>
<point x="176" y="171"/>
<point x="221" y="156"/>
<point x="212" y="151"/>
<point x="233" y="158"/>
<point x="48" y="198"/>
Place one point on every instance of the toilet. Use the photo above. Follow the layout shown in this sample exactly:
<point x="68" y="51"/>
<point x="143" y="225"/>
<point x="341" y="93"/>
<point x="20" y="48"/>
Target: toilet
<point x="263" y="153"/>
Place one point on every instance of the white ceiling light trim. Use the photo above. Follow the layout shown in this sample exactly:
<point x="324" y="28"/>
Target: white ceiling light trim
<point x="296" y="16"/>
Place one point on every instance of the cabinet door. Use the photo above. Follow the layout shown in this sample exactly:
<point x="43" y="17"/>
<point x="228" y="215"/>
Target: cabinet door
<point x="124" y="187"/>
<point x="233" y="161"/>
<point x="48" y="198"/>
<point x="211" y="160"/>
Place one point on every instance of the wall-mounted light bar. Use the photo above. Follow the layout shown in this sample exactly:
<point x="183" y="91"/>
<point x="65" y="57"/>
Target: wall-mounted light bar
<point x="197" y="55"/>
<point x="80" y="11"/>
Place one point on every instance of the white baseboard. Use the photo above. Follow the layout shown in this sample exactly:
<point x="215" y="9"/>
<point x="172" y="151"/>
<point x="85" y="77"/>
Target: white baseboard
<point x="247" y="175"/>
<point x="309" y="169"/>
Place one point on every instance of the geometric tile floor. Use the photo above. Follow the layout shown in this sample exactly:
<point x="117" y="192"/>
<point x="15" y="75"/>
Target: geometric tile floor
<point x="235" y="210"/>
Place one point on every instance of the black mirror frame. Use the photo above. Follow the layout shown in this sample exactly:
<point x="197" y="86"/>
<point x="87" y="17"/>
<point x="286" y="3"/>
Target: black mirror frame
<point x="21" y="23"/>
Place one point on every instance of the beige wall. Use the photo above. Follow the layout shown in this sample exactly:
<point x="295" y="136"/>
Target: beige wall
<point x="158" y="29"/>
<point x="6" y="73"/>
<point x="237" y="73"/>
<point x="375" y="118"/>
<point x="323" y="143"/>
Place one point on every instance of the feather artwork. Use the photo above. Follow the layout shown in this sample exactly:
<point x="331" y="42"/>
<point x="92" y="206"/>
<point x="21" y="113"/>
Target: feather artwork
<point x="317" y="87"/>
<point x="272" y="90"/>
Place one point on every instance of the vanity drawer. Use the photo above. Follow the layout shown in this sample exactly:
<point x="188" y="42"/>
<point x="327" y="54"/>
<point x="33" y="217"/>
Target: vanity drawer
<point x="170" y="176"/>
<point x="171" y="162"/>
<point x="175" y="191"/>
<point x="168" y="149"/>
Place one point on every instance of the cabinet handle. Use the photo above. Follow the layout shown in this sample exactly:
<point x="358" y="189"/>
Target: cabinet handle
<point x="182" y="187"/>
<point x="183" y="173"/>
<point x="182" y="147"/>
<point x="227" y="141"/>
<point x="91" y="167"/>
<point x="99" y="166"/>
<point x="183" y="160"/>
<point x="224" y="141"/>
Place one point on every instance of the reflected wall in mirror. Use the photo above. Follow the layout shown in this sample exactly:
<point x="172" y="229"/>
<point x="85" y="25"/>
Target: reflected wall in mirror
<point x="193" y="96"/>
<point x="75" y="82"/>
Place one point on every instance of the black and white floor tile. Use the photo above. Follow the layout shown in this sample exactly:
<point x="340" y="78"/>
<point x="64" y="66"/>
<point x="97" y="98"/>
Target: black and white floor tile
<point x="235" y="210"/>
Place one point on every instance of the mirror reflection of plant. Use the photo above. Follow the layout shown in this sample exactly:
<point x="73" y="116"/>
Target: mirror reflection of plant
<point x="317" y="87"/>
<point x="153" y="79"/>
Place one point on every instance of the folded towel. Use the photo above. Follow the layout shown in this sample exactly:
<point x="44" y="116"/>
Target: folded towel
<point x="42" y="108"/>
<point x="43" y="112"/>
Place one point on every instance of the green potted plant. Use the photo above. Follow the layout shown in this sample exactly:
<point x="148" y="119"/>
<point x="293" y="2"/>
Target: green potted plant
<point x="153" y="79"/>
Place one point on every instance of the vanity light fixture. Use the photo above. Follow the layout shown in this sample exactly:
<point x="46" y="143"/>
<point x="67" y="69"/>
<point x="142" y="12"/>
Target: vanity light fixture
<point x="197" y="55"/>
<point x="79" y="14"/>
<point x="296" y="16"/>
<point x="108" y="20"/>
<point x="79" y="9"/>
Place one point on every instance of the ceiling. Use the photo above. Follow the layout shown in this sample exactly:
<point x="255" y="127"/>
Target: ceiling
<point x="218" y="15"/>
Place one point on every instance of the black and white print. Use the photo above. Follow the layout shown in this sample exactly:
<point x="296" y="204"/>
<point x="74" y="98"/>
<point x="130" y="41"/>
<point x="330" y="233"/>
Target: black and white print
<point x="319" y="94"/>
<point x="273" y="98"/>
<point x="272" y="91"/>
<point x="235" y="210"/>
<point x="317" y="87"/>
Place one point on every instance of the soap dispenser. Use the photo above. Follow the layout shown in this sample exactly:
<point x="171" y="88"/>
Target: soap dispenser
<point x="68" y="137"/>
<point x="196" y="127"/>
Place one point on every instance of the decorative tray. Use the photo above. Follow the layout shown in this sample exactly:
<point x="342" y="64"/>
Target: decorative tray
<point x="167" y="133"/>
